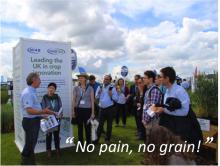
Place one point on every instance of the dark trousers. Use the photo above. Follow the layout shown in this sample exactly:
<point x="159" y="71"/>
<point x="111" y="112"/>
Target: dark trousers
<point x="31" y="128"/>
<point x="96" y="109"/>
<point x="83" y="115"/>
<point x="56" y="136"/>
<point x="134" y="112"/>
<point x="106" y="114"/>
<point x="120" y="109"/>
<point x="141" y="128"/>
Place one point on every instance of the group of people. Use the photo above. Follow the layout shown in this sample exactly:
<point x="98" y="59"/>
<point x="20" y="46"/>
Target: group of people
<point x="105" y="101"/>
<point x="155" y="100"/>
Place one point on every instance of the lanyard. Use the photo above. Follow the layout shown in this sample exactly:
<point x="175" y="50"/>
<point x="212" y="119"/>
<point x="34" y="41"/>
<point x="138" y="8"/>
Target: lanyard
<point x="135" y="90"/>
<point x="52" y="103"/>
<point x="82" y="92"/>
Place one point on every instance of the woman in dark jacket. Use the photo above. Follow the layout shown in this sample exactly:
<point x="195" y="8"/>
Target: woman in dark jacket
<point x="140" y="102"/>
<point x="53" y="102"/>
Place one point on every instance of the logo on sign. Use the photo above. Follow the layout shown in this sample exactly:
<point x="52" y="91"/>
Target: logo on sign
<point x="124" y="71"/>
<point x="33" y="50"/>
<point x="73" y="59"/>
<point x="56" y="51"/>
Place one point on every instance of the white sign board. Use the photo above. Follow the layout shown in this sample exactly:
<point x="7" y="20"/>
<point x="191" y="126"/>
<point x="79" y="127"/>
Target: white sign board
<point x="52" y="61"/>
<point x="204" y="124"/>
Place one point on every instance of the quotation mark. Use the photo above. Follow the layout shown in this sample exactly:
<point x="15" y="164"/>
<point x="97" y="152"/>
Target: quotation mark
<point x="69" y="140"/>
<point x="209" y="140"/>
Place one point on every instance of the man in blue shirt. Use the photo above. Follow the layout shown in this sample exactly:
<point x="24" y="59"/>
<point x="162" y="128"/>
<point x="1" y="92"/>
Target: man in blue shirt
<point x="175" y="119"/>
<point x="32" y="112"/>
<point x="107" y="95"/>
<point x="168" y="76"/>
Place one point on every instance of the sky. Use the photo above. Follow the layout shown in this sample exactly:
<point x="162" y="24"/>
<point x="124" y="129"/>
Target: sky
<point x="108" y="34"/>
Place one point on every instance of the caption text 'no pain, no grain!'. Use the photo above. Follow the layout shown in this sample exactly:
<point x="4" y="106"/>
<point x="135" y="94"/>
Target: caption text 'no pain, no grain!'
<point x="125" y="148"/>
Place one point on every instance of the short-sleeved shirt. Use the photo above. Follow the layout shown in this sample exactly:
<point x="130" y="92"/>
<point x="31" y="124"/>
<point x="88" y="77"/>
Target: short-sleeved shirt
<point x="29" y="100"/>
<point x="86" y="96"/>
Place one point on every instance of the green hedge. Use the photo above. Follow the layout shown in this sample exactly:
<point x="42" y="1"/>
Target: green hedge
<point x="205" y="98"/>
<point x="7" y="118"/>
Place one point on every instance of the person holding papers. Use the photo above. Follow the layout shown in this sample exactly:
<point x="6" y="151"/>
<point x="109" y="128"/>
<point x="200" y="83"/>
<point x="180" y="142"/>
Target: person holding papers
<point x="52" y="101"/>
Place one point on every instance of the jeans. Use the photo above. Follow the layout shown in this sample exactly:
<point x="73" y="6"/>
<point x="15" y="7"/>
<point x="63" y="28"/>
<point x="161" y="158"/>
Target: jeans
<point x="31" y="127"/>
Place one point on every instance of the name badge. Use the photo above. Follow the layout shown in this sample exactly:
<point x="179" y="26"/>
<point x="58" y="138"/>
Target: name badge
<point x="82" y="102"/>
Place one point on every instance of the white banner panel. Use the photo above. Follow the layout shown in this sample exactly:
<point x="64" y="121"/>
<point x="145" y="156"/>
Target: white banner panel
<point x="52" y="61"/>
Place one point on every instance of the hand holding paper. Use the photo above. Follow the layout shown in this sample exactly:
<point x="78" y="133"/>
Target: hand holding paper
<point x="155" y="109"/>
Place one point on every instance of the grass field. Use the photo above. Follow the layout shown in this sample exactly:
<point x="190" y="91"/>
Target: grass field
<point x="11" y="156"/>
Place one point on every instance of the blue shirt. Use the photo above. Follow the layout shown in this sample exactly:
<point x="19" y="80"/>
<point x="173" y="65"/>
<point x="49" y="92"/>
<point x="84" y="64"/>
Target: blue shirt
<point x="104" y="99"/>
<point x="95" y="86"/>
<point x="181" y="94"/>
<point x="121" y="98"/>
<point x="29" y="100"/>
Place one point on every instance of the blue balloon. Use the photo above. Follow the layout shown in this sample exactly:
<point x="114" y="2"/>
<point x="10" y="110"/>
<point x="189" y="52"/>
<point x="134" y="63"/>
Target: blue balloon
<point x="81" y="70"/>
